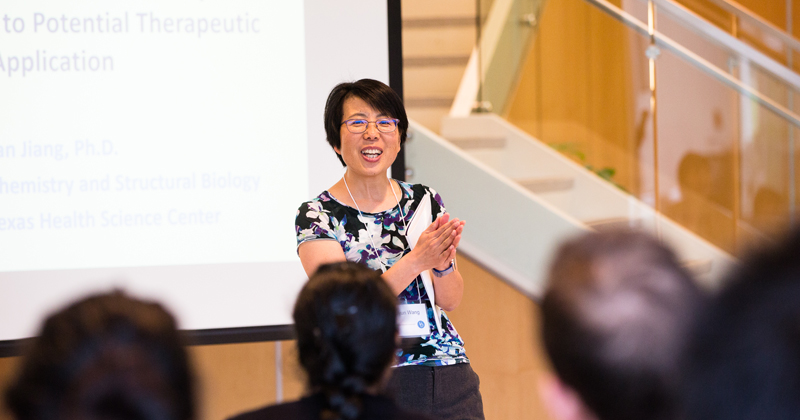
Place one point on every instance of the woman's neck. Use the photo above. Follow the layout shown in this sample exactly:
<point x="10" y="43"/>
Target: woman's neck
<point x="371" y="194"/>
<point x="367" y="188"/>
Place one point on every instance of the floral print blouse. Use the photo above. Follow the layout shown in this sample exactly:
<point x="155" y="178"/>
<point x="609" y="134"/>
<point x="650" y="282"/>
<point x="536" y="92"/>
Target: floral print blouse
<point x="325" y="218"/>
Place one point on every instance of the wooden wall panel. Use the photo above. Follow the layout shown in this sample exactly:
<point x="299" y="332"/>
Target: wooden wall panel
<point x="774" y="11"/>
<point x="795" y="18"/>
<point x="525" y="107"/>
<point x="293" y="376"/>
<point x="234" y="377"/>
<point x="564" y="58"/>
<point x="8" y="367"/>
<point x="612" y="90"/>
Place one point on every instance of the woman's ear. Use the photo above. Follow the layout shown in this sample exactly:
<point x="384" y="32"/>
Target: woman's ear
<point x="561" y="401"/>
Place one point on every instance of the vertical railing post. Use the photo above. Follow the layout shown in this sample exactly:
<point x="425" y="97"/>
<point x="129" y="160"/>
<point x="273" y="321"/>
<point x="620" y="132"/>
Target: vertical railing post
<point x="652" y="54"/>
<point x="737" y="156"/>
<point x="792" y="127"/>
<point x="479" y="42"/>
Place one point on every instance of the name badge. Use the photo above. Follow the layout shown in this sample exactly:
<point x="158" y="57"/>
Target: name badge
<point x="412" y="320"/>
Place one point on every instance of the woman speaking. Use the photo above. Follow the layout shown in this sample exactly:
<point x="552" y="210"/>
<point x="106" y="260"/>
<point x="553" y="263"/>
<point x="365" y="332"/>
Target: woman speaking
<point x="402" y="230"/>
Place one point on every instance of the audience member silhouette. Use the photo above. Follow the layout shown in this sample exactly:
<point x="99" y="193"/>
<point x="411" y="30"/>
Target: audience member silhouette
<point x="105" y="357"/>
<point x="614" y="319"/>
<point x="744" y="359"/>
<point x="345" y="320"/>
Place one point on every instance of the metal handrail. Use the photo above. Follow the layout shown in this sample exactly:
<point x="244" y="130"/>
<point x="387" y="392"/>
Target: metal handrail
<point x="745" y="51"/>
<point x="667" y="43"/>
<point x="743" y="12"/>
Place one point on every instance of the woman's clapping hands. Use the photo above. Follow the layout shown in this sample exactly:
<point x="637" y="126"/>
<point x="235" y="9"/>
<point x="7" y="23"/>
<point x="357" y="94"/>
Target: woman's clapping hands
<point x="437" y="245"/>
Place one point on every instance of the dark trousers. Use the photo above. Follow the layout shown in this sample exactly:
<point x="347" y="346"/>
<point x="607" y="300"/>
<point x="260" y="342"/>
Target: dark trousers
<point x="442" y="392"/>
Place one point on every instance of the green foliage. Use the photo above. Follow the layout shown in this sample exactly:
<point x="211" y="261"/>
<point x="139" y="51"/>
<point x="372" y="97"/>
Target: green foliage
<point x="572" y="150"/>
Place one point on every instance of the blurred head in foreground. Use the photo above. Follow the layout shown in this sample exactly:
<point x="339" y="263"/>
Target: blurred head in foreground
<point x="744" y="360"/>
<point x="345" y="319"/>
<point x="105" y="357"/>
<point x="614" y="320"/>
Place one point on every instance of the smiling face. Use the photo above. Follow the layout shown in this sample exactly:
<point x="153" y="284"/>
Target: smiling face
<point x="369" y="153"/>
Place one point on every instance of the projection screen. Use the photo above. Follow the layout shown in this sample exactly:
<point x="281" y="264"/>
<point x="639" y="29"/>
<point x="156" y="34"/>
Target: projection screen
<point x="164" y="147"/>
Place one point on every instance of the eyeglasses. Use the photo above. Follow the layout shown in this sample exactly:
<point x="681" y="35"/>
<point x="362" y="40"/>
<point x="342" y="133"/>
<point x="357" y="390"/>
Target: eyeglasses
<point x="385" y="125"/>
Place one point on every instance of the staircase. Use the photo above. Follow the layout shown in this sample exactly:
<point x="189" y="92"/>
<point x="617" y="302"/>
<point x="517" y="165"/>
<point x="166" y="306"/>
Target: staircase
<point x="438" y="37"/>
<point x="521" y="199"/>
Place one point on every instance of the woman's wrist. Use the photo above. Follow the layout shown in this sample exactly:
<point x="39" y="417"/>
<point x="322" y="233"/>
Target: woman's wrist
<point x="415" y="263"/>
<point x="443" y="271"/>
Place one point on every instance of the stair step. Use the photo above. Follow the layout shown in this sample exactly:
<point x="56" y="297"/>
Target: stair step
<point x="427" y="9"/>
<point x="436" y="42"/>
<point x="421" y="82"/>
<point x="429" y="102"/>
<point x="547" y="184"/>
<point x="698" y="267"/>
<point x="457" y="60"/>
<point x="479" y="142"/>
<point x="438" y="22"/>
<point x="614" y="223"/>
<point x="430" y="118"/>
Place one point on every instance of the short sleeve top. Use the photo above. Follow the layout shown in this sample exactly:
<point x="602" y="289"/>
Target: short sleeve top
<point x="326" y="218"/>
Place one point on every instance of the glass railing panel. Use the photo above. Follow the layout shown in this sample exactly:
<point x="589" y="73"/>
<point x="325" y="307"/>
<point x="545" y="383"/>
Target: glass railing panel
<point x="636" y="8"/>
<point x="584" y="91"/>
<point x="755" y="69"/>
<point x="711" y="12"/>
<point x="725" y="161"/>
<point x="768" y="84"/>
<point x="501" y="72"/>
<point x="761" y="25"/>
<point x="762" y="40"/>
<point x="483" y="7"/>
<point x="696" y="132"/>
<point x="767" y="173"/>
<point x="697" y="42"/>
<point x="704" y="159"/>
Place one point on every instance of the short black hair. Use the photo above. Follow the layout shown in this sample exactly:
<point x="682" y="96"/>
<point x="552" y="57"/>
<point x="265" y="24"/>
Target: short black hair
<point x="376" y="94"/>
<point x="345" y="320"/>
<point x="105" y="357"/>
<point x="744" y="359"/>
<point x="614" y="317"/>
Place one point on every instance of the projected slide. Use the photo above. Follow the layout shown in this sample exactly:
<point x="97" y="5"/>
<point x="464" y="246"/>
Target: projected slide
<point x="150" y="133"/>
<point x="163" y="147"/>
